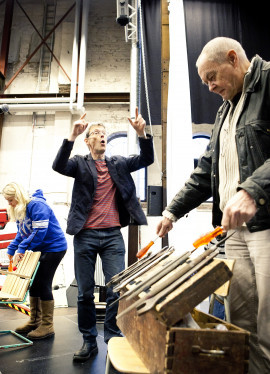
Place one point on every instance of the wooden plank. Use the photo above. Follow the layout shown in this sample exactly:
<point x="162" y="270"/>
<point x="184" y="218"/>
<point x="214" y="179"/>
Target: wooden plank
<point x="16" y="287"/>
<point x="9" y="283"/>
<point x="22" y="286"/>
<point x="7" y="296"/>
<point x="171" y="350"/>
<point x="209" y="350"/>
<point x="124" y="358"/>
<point x="6" y="272"/>
<point x="17" y="283"/>
<point x="224" y="289"/>
<point x="23" y="263"/>
<point x="164" y="347"/>
<point x="146" y="335"/>
<point x="165" y="61"/>
<point x="182" y="300"/>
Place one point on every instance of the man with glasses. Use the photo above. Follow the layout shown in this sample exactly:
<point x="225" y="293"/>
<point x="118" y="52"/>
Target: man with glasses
<point x="103" y="200"/>
<point x="235" y="171"/>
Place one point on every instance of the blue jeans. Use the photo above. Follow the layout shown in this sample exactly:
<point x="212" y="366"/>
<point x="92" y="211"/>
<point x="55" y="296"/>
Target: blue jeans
<point x="109" y="244"/>
<point x="219" y="310"/>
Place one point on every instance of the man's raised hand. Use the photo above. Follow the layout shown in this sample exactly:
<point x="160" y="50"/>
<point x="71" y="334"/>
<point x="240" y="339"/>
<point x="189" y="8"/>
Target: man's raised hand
<point x="138" y="124"/>
<point x="78" y="128"/>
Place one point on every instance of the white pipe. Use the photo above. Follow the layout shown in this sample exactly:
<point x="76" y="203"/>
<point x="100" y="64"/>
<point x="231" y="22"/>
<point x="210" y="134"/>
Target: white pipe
<point x="28" y="100"/>
<point x="132" y="136"/>
<point x="41" y="107"/>
<point x="83" y="50"/>
<point x="75" y="54"/>
<point x="54" y="107"/>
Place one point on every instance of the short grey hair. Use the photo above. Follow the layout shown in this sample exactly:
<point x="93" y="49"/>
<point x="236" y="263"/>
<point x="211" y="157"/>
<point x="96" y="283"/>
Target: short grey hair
<point x="216" y="50"/>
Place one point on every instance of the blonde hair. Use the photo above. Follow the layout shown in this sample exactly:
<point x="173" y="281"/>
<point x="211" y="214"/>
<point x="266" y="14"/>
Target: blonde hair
<point x="14" y="190"/>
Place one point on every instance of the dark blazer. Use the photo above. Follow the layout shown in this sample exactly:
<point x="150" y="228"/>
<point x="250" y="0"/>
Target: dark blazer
<point x="83" y="170"/>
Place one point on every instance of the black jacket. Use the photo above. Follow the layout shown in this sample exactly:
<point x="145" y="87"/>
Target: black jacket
<point x="253" y="148"/>
<point x="83" y="170"/>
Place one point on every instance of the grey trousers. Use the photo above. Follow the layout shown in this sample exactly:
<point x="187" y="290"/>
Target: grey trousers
<point x="249" y="295"/>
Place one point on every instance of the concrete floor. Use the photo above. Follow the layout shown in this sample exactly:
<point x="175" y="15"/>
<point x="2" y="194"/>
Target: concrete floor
<point x="48" y="356"/>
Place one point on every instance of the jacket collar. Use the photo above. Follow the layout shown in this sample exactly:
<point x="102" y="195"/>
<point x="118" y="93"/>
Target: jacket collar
<point x="253" y="74"/>
<point x="250" y="81"/>
<point x="91" y="165"/>
<point x="93" y="170"/>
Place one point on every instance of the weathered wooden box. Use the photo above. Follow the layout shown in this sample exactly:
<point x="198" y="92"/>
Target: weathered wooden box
<point x="166" y="347"/>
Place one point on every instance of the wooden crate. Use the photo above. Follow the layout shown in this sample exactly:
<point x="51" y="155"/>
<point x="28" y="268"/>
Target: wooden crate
<point x="165" y="347"/>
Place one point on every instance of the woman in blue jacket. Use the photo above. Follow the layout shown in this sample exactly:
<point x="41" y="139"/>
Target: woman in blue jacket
<point x="37" y="230"/>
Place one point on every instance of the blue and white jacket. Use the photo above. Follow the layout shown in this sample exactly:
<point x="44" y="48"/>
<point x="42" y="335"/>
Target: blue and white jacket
<point x="40" y="229"/>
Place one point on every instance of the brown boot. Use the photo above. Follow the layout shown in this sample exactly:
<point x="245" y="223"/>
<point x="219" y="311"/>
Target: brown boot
<point x="46" y="328"/>
<point x="35" y="317"/>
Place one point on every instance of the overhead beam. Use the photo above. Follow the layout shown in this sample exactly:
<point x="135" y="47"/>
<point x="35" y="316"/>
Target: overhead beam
<point x="6" y="37"/>
<point x="99" y="97"/>
<point x="165" y="60"/>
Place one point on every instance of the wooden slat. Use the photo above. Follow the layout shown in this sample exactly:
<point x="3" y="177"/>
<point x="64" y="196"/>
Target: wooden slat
<point x="6" y="272"/>
<point x="9" y="283"/>
<point x="165" y="62"/>
<point x="146" y="335"/>
<point x="224" y="289"/>
<point x="17" y="283"/>
<point x="189" y="294"/>
<point x="23" y="263"/>
<point x="6" y="296"/>
<point x="124" y="358"/>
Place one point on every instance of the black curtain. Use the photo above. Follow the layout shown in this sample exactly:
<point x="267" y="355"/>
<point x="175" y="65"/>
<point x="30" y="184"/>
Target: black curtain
<point x="206" y="20"/>
<point x="152" y="48"/>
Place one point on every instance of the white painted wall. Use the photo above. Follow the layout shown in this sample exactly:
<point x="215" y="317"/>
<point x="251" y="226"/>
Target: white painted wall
<point x="27" y="151"/>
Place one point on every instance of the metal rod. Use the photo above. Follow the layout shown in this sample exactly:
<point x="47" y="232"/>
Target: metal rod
<point x="56" y="59"/>
<point x="37" y="48"/>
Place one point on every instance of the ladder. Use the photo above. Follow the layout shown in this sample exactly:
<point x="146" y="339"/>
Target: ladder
<point x="45" y="54"/>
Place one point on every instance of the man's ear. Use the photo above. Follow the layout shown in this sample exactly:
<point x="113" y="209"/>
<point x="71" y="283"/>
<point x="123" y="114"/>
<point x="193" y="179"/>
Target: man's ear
<point x="232" y="57"/>
<point x="86" y="141"/>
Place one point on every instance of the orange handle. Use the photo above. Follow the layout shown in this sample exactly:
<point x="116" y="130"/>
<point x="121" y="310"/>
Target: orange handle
<point x="143" y="251"/>
<point x="205" y="239"/>
<point x="10" y="267"/>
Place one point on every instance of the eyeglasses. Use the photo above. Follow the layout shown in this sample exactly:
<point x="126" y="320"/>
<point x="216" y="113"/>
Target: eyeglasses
<point x="98" y="132"/>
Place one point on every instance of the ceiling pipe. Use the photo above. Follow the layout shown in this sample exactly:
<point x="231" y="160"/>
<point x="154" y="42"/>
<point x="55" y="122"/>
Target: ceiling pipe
<point x="75" y="55"/>
<point x="65" y="107"/>
<point x="28" y="100"/>
<point x="83" y="51"/>
<point x="132" y="136"/>
<point x="41" y="107"/>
